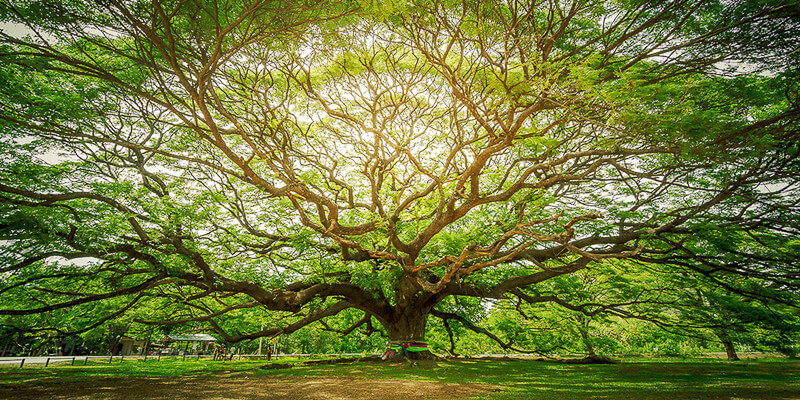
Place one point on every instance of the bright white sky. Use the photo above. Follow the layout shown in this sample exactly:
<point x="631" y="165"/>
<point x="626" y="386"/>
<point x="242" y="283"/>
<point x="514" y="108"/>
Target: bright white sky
<point x="14" y="30"/>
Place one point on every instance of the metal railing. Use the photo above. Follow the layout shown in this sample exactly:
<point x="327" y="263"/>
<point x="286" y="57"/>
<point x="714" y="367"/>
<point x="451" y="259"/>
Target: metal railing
<point x="83" y="360"/>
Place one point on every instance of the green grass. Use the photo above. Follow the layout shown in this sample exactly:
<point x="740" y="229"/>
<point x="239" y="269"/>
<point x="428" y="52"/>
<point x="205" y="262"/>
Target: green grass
<point x="100" y="367"/>
<point x="631" y="379"/>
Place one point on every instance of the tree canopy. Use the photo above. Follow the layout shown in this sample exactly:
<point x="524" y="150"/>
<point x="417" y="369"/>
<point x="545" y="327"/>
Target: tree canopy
<point x="192" y="160"/>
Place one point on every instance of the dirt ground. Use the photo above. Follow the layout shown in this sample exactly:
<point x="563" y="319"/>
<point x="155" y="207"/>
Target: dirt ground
<point x="242" y="387"/>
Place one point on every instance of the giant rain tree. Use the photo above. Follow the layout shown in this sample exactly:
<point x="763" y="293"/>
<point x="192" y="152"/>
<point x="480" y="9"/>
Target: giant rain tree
<point x="206" y="157"/>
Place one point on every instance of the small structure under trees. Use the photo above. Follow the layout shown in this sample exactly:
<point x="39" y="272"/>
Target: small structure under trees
<point x="194" y="343"/>
<point x="130" y="346"/>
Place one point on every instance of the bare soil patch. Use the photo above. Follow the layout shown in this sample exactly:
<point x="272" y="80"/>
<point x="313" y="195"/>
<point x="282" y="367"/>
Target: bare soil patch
<point x="241" y="387"/>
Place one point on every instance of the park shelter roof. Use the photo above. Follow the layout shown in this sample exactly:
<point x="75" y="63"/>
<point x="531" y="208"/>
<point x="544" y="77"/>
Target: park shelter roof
<point x="197" y="337"/>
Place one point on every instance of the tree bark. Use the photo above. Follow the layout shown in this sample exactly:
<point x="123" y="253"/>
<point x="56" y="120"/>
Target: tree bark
<point x="730" y="350"/>
<point x="726" y="341"/>
<point x="587" y="341"/>
<point x="408" y="324"/>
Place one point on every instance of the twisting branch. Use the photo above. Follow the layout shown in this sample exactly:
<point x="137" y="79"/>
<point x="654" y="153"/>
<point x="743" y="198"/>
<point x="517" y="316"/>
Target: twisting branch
<point x="506" y="345"/>
<point x="275" y="331"/>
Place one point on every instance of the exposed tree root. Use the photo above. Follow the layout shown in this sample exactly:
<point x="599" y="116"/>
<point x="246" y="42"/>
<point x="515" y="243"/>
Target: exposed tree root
<point x="373" y="359"/>
<point x="592" y="359"/>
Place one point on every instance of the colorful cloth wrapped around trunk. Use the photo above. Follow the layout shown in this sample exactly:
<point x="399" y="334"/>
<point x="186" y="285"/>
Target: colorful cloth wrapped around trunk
<point x="396" y="348"/>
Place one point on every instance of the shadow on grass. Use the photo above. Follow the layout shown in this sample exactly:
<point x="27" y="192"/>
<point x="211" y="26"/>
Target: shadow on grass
<point x="652" y="379"/>
<point x="504" y="379"/>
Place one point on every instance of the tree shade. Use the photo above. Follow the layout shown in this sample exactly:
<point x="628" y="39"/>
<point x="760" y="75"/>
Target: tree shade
<point x="184" y="161"/>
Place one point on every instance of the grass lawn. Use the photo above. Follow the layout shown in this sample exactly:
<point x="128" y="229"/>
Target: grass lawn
<point x="476" y="379"/>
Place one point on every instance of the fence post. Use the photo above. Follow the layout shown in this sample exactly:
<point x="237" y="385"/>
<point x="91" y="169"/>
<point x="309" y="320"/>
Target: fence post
<point x="46" y="363"/>
<point x="22" y="363"/>
<point x="73" y="361"/>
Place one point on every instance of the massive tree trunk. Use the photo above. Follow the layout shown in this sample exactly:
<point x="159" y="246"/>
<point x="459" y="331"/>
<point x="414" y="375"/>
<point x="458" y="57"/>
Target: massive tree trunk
<point x="408" y="319"/>
<point x="408" y="326"/>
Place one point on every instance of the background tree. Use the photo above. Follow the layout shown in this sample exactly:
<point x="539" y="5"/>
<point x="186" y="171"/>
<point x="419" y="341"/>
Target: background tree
<point x="622" y="308"/>
<point x="309" y="158"/>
